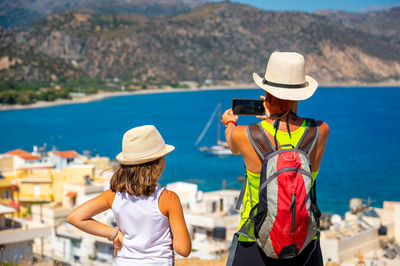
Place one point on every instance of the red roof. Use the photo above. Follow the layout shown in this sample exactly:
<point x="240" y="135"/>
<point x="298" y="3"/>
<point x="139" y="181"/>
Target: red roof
<point x="71" y="194"/>
<point x="66" y="154"/>
<point x="24" y="155"/>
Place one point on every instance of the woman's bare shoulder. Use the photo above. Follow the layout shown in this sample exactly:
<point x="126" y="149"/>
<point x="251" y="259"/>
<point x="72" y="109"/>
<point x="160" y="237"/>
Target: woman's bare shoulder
<point x="239" y="135"/>
<point x="323" y="128"/>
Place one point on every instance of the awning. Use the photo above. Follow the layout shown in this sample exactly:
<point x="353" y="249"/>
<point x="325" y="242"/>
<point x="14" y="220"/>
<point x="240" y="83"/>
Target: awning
<point x="14" y="205"/>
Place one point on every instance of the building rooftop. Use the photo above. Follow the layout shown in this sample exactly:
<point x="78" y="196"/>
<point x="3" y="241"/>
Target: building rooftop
<point x="66" y="154"/>
<point x="24" y="155"/>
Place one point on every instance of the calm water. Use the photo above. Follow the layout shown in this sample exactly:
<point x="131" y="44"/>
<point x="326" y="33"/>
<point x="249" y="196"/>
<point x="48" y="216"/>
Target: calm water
<point x="361" y="157"/>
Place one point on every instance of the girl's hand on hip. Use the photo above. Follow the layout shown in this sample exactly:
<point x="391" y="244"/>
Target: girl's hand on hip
<point x="228" y="116"/>
<point x="118" y="240"/>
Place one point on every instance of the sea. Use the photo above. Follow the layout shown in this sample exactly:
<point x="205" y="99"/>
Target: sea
<point x="361" y="159"/>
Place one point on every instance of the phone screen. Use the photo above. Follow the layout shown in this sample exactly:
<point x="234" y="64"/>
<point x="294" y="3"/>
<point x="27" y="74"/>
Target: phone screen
<point x="248" y="107"/>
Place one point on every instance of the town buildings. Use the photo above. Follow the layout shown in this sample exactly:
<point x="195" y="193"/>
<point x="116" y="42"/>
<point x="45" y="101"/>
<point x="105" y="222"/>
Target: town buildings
<point x="38" y="190"/>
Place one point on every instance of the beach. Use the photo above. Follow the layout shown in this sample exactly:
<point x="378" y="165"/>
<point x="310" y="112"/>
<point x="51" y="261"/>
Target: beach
<point x="228" y="86"/>
<point x="103" y="95"/>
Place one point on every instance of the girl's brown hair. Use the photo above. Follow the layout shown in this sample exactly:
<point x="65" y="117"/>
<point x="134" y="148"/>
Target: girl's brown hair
<point x="138" y="180"/>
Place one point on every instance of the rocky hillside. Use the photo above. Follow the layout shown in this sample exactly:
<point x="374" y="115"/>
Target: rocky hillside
<point x="20" y="62"/>
<point x="221" y="41"/>
<point x="14" y="13"/>
<point x="382" y="24"/>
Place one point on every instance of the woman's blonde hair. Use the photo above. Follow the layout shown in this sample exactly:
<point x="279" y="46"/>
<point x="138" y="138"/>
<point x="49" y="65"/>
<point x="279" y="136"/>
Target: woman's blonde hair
<point x="138" y="180"/>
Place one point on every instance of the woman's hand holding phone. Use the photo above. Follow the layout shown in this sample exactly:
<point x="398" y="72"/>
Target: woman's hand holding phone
<point x="229" y="116"/>
<point x="266" y="114"/>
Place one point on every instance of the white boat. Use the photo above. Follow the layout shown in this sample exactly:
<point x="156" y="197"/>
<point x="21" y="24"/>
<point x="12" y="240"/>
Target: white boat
<point x="221" y="148"/>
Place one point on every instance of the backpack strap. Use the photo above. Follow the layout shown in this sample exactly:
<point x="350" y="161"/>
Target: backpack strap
<point x="235" y="241"/>
<point x="241" y="194"/>
<point x="310" y="137"/>
<point x="263" y="146"/>
<point x="259" y="140"/>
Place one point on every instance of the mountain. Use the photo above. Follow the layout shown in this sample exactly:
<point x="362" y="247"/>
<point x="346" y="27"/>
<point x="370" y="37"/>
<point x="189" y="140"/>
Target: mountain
<point x="14" y="13"/>
<point x="382" y="24"/>
<point x="20" y="62"/>
<point x="220" y="41"/>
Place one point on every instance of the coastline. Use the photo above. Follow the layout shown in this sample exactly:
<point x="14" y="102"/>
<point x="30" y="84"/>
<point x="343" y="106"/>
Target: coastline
<point x="104" y="95"/>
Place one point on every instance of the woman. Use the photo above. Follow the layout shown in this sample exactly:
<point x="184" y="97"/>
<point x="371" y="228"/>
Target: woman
<point x="285" y="84"/>
<point x="150" y="220"/>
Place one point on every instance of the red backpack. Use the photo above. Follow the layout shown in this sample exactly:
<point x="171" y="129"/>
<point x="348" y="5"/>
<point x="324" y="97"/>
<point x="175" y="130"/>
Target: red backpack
<point x="286" y="219"/>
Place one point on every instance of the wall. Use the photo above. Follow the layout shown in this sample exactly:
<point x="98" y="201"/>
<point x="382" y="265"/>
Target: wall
<point x="76" y="173"/>
<point x="17" y="252"/>
<point x="6" y="163"/>
<point x="28" y="189"/>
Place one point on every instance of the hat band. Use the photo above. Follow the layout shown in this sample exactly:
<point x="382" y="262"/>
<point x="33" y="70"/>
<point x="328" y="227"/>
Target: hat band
<point x="142" y="154"/>
<point x="286" y="86"/>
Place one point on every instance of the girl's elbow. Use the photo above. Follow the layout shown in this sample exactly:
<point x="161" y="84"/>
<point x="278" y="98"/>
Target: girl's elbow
<point x="184" y="252"/>
<point x="71" y="219"/>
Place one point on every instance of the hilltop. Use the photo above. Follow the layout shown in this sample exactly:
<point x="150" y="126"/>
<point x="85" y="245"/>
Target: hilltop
<point x="15" y="13"/>
<point x="382" y="24"/>
<point x="220" y="41"/>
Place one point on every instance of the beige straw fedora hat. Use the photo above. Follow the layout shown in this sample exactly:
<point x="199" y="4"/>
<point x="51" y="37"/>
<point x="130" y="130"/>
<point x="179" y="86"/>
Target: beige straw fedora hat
<point x="285" y="77"/>
<point x="141" y="145"/>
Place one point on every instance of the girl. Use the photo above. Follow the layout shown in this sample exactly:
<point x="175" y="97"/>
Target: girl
<point x="150" y="218"/>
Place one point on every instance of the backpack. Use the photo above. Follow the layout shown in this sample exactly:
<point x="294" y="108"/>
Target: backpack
<point x="286" y="219"/>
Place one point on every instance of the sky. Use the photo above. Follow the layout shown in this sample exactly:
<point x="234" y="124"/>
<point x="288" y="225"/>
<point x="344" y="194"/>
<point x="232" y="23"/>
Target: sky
<point x="313" y="5"/>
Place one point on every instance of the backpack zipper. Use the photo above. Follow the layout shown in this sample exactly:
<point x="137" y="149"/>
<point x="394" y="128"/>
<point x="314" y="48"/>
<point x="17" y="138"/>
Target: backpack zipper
<point x="293" y="207"/>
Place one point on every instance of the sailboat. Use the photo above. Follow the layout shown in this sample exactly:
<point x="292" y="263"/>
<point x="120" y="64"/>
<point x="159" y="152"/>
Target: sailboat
<point x="222" y="148"/>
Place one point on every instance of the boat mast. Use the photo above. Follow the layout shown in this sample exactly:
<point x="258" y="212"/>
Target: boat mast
<point x="219" y="124"/>
<point x="207" y="125"/>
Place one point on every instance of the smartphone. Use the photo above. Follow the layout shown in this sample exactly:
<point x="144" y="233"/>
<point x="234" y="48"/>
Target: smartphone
<point x="248" y="107"/>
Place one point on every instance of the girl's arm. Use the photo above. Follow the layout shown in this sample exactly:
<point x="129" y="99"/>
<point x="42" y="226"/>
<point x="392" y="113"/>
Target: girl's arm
<point x="171" y="207"/>
<point x="81" y="217"/>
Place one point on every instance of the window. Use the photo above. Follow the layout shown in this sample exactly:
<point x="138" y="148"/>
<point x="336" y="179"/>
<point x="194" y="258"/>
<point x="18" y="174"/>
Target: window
<point x="7" y="194"/>
<point x="214" y="206"/>
<point x="221" y="204"/>
<point x="36" y="190"/>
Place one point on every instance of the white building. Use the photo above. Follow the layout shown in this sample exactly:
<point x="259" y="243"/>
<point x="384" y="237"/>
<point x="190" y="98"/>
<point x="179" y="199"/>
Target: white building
<point x="66" y="243"/>
<point x="26" y="160"/>
<point x="356" y="235"/>
<point x="17" y="236"/>
<point x="210" y="217"/>
<point x="61" y="159"/>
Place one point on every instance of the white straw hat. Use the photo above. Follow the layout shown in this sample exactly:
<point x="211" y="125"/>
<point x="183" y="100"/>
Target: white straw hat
<point x="285" y="77"/>
<point x="141" y="145"/>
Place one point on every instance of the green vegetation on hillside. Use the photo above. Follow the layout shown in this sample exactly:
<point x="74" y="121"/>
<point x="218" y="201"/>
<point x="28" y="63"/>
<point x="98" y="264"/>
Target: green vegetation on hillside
<point x="14" y="92"/>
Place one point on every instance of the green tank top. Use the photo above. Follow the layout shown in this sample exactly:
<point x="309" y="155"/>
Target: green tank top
<point x="254" y="179"/>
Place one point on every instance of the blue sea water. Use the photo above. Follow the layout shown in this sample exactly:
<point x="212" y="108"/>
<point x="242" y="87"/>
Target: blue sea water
<point x="361" y="158"/>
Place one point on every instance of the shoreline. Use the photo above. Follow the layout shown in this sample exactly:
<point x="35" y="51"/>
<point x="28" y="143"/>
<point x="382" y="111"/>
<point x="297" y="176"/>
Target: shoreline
<point x="105" y="95"/>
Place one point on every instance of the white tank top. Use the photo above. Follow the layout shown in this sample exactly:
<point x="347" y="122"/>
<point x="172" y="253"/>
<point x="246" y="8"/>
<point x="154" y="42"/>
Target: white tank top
<point x="147" y="234"/>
